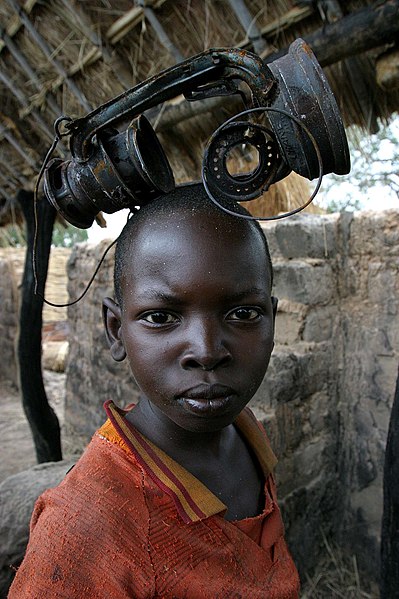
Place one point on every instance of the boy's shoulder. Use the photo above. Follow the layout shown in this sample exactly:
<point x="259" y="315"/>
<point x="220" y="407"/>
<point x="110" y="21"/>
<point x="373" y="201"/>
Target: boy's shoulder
<point x="104" y="478"/>
<point x="122" y="470"/>
<point x="108" y="524"/>
<point x="97" y="512"/>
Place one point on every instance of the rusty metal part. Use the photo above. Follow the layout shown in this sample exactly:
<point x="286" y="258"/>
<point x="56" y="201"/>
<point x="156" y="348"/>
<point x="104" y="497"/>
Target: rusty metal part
<point x="228" y="201"/>
<point x="111" y="170"/>
<point x="227" y="138"/>
<point x="304" y="92"/>
<point x="137" y="172"/>
<point x="186" y="77"/>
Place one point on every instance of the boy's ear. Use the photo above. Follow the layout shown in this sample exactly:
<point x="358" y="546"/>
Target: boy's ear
<point x="112" y="324"/>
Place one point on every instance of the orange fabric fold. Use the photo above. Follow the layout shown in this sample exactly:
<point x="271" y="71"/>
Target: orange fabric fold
<point x="109" y="530"/>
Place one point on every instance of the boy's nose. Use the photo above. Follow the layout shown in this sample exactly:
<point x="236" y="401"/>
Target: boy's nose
<point x="206" y="349"/>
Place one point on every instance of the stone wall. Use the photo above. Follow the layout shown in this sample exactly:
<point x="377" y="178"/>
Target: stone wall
<point x="326" y="397"/>
<point x="368" y="366"/>
<point x="92" y="375"/>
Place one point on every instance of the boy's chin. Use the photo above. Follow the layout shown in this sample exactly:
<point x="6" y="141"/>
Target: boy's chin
<point x="199" y="424"/>
<point x="191" y="415"/>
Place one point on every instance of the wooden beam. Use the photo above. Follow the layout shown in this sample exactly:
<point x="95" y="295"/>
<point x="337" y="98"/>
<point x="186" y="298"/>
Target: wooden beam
<point x="161" y="34"/>
<point x="378" y="25"/>
<point x="28" y="70"/>
<point x="17" y="146"/>
<point x="115" y="33"/>
<point x="387" y="68"/>
<point x="18" y="176"/>
<point x="25" y="104"/>
<point x="45" y="48"/>
<point x="372" y="26"/>
<point x="128" y="21"/>
<point x="133" y="17"/>
<point x="4" y="193"/>
<point x="82" y="20"/>
<point x="16" y="23"/>
<point x="248" y="23"/>
<point x="354" y="66"/>
<point x="8" y="181"/>
<point x="294" y="15"/>
<point x="362" y="30"/>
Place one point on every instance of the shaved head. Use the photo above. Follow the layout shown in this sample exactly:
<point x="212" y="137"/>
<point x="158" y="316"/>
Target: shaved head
<point x="191" y="199"/>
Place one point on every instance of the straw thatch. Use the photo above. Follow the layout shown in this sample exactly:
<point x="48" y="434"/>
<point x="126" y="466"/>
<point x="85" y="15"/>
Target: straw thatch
<point x="69" y="56"/>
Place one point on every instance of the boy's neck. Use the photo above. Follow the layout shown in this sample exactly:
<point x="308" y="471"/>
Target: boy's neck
<point x="221" y="459"/>
<point x="177" y="442"/>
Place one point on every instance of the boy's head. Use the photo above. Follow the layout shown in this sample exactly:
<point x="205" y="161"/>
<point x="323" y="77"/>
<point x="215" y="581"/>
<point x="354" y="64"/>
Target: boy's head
<point x="194" y="311"/>
<point x="192" y="198"/>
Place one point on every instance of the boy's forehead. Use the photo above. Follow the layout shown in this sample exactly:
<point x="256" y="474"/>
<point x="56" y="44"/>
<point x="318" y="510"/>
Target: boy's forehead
<point x="183" y="237"/>
<point x="215" y="226"/>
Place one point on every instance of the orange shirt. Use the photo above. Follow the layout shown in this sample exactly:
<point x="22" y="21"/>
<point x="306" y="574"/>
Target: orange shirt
<point x="129" y="522"/>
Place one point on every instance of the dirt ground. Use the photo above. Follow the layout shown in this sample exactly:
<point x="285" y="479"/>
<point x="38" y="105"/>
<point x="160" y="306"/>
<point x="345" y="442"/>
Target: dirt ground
<point x="17" y="449"/>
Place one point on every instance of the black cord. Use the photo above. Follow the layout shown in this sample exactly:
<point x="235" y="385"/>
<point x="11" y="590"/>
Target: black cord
<point x="57" y="138"/>
<point x="75" y="301"/>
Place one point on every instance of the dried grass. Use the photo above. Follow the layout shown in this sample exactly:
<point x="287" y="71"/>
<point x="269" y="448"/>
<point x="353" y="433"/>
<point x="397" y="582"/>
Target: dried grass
<point x="337" y="577"/>
<point x="288" y="194"/>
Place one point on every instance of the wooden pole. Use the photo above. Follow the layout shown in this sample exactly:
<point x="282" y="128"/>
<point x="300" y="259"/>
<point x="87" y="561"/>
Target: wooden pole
<point x="16" y="92"/>
<point x="121" y="27"/>
<point x="24" y="64"/>
<point x="84" y="23"/>
<point x="41" y="417"/>
<point x="17" y="146"/>
<point x="248" y="23"/>
<point x="6" y="164"/>
<point x="161" y="33"/>
<point x="389" y="586"/>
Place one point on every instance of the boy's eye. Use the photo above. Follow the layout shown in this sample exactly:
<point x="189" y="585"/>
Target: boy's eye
<point x="159" y="318"/>
<point x="243" y="314"/>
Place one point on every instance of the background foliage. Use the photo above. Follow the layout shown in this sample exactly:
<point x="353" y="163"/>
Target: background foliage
<point x="63" y="236"/>
<point x="374" y="178"/>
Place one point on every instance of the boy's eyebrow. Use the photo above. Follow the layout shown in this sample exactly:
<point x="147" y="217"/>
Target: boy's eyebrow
<point x="247" y="292"/>
<point x="158" y="295"/>
<point x="162" y="296"/>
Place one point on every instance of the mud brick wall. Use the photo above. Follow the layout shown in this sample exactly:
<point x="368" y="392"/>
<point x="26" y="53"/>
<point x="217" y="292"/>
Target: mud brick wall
<point x="8" y="322"/>
<point x="326" y="398"/>
<point x="12" y="262"/>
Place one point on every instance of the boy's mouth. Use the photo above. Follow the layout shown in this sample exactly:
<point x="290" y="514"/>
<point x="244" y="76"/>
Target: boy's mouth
<point x="206" y="399"/>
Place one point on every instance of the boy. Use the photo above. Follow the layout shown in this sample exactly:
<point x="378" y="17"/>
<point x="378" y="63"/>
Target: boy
<point x="175" y="497"/>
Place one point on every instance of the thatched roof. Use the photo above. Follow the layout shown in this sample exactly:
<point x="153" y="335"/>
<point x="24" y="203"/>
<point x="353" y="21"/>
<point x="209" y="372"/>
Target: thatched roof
<point x="66" y="57"/>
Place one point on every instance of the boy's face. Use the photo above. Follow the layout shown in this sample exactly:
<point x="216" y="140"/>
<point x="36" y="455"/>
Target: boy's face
<point x="197" y="319"/>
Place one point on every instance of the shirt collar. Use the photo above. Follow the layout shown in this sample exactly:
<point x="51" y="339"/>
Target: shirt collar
<point x="193" y="500"/>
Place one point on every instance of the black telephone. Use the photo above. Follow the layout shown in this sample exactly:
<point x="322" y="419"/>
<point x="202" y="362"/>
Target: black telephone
<point x="111" y="169"/>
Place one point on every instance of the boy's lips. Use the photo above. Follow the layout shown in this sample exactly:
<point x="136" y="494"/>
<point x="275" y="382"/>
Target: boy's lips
<point x="206" y="399"/>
